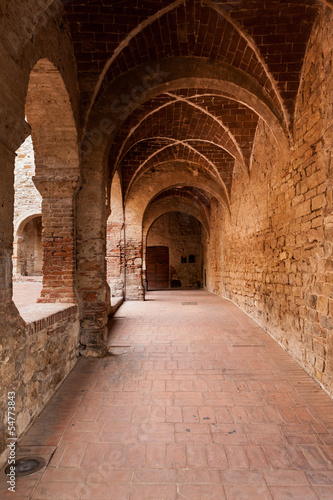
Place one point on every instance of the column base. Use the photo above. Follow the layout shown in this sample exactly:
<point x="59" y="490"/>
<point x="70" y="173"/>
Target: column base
<point x="135" y="293"/>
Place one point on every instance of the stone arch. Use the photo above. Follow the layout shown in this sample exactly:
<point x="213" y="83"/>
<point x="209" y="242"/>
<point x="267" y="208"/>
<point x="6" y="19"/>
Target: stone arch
<point x="57" y="177"/>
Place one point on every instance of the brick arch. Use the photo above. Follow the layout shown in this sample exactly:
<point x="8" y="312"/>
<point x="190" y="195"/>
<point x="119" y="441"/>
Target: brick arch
<point x="197" y="196"/>
<point x="55" y="146"/>
<point x="143" y="157"/>
<point x="19" y="226"/>
<point x="168" y="175"/>
<point x="152" y="183"/>
<point x="57" y="177"/>
<point x="173" y="33"/>
<point x="173" y="203"/>
<point x="178" y="73"/>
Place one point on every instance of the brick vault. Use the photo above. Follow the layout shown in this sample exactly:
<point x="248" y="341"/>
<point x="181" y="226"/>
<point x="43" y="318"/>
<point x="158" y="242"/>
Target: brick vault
<point x="200" y="126"/>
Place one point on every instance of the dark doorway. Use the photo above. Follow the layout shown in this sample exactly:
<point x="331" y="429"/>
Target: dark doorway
<point x="157" y="267"/>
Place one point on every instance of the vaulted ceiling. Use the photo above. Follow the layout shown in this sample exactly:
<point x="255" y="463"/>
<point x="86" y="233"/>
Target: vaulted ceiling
<point x="263" y="42"/>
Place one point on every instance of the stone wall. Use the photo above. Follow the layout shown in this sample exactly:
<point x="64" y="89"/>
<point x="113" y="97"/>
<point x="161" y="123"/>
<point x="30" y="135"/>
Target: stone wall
<point x="37" y="358"/>
<point x="27" y="197"/>
<point x="181" y="233"/>
<point x="277" y="244"/>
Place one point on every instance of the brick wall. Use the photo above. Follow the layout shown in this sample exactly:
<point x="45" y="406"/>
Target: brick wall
<point x="277" y="243"/>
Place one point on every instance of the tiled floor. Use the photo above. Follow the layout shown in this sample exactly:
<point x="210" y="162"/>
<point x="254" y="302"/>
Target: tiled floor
<point x="196" y="402"/>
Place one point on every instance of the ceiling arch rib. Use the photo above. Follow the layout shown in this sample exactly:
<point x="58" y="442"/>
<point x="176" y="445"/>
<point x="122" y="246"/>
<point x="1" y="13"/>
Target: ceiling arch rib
<point x="196" y="196"/>
<point x="168" y="175"/>
<point x="274" y="89"/>
<point x="220" y="122"/>
<point x="124" y="43"/>
<point x="234" y="150"/>
<point x="174" y="200"/>
<point x="183" y="122"/>
<point x="220" y="81"/>
<point x="174" y="34"/>
<point x="181" y="150"/>
<point x="239" y="119"/>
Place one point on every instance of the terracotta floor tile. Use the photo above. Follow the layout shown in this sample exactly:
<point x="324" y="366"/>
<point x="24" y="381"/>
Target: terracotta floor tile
<point x="201" y="491"/>
<point x="293" y="493"/>
<point x="324" y="492"/>
<point x="198" y="476"/>
<point x="286" y="478"/>
<point x="191" y="404"/>
<point x="153" y="492"/>
<point x="114" y="454"/>
<point x="237" y="477"/>
<point x="65" y="491"/>
<point x="135" y="456"/>
<point x="175" y="456"/>
<point x="94" y="491"/>
<point x="155" y="455"/>
<point x="173" y="414"/>
<point x="196" y="456"/>
<point x="146" y="476"/>
<point x="248" y="492"/>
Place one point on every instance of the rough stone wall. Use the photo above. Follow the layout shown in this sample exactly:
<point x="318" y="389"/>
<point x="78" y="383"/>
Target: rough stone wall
<point x="38" y="357"/>
<point x="278" y="240"/>
<point x="27" y="197"/>
<point x="182" y="234"/>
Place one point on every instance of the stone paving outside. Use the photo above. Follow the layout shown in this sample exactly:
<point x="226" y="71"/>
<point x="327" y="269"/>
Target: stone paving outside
<point x="197" y="402"/>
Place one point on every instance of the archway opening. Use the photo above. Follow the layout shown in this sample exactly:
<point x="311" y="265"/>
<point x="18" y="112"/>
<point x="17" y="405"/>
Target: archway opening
<point x="175" y="252"/>
<point x="29" y="251"/>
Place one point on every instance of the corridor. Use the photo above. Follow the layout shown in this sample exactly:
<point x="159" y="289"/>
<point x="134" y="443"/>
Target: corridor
<point x="194" y="402"/>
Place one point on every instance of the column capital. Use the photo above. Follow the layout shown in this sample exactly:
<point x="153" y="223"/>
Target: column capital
<point x="57" y="186"/>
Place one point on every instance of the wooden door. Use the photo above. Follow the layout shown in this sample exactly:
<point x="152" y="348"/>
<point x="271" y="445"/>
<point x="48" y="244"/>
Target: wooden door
<point x="157" y="267"/>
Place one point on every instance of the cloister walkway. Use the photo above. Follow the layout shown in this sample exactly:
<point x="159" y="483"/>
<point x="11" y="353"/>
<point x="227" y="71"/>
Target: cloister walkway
<point x="194" y="402"/>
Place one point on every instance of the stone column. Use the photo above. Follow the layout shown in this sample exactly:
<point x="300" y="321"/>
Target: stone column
<point x="58" y="236"/>
<point x="134" y="289"/>
<point x="114" y="257"/>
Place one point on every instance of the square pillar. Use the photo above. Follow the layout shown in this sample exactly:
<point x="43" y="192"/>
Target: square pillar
<point x="58" y="236"/>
